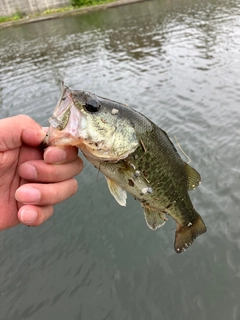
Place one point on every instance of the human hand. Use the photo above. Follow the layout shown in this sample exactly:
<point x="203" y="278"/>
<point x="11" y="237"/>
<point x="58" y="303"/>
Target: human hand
<point x="32" y="180"/>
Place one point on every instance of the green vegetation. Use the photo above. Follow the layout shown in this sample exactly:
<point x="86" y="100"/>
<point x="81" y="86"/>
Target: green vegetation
<point x="83" y="3"/>
<point x="75" y="4"/>
<point x="56" y="10"/>
<point x="18" y="15"/>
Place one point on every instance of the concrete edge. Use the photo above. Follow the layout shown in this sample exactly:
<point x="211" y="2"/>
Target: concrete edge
<point x="69" y="13"/>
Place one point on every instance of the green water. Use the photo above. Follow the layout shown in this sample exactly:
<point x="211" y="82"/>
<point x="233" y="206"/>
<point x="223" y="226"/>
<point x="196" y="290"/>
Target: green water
<point x="178" y="63"/>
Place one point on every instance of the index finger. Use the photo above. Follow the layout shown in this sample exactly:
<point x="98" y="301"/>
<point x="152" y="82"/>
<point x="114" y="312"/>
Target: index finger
<point x="15" y="131"/>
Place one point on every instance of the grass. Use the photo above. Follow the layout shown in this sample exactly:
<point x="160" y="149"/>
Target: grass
<point x="76" y="4"/>
<point x="87" y="3"/>
<point x="16" y="16"/>
<point x="57" y="10"/>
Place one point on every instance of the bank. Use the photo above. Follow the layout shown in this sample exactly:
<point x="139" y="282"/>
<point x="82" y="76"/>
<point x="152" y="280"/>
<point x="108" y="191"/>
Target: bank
<point x="83" y="10"/>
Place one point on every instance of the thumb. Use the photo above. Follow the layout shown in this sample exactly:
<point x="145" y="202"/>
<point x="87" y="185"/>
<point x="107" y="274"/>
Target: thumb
<point x="15" y="131"/>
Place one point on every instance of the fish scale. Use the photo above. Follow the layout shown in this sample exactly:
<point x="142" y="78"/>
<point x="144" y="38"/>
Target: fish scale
<point x="134" y="154"/>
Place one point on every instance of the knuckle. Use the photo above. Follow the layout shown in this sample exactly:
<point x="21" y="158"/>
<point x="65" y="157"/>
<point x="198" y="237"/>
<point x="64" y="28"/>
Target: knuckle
<point x="53" y="173"/>
<point x="43" y="214"/>
<point x="75" y="186"/>
<point x="79" y="164"/>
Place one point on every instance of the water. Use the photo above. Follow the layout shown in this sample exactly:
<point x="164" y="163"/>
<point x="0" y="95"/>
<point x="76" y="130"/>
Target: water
<point x="178" y="63"/>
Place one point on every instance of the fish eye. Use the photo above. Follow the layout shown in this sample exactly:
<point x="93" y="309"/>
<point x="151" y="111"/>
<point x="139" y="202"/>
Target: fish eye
<point x="92" y="106"/>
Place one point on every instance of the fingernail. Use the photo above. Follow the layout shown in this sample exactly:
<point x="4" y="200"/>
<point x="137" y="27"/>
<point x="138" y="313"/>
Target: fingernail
<point x="45" y="129"/>
<point x="30" y="171"/>
<point x="55" y="155"/>
<point x="28" y="215"/>
<point x="28" y="195"/>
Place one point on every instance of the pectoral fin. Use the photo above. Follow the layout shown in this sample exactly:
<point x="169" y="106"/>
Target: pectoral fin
<point x="119" y="194"/>
<point x="154" y="219"/>
<point x="194" y="177"/>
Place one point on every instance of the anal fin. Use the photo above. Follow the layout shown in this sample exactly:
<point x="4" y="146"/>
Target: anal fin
<point x="154" y="219"/>
<point x="117" y="191"/>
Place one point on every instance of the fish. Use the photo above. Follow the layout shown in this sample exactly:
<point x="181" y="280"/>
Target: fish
<point x="134" y="154"/>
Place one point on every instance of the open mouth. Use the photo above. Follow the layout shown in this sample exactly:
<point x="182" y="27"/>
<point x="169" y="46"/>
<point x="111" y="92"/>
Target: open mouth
<point x="61" y="114"/>
<point x="66" y="121"/>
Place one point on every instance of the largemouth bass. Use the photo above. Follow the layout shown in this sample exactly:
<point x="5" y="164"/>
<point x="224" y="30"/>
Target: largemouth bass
<point x="135" y="156"/>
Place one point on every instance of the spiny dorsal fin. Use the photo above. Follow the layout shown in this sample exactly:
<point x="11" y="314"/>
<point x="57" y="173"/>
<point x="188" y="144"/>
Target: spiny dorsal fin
<point x="154" y="219"/>
<point x="119" y="194"/>
<point x="194" y="177"/>
<point x="185" y="235"/>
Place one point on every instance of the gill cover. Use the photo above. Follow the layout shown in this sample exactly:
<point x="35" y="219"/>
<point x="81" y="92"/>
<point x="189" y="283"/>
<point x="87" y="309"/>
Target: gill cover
<point x="87" y="121"/>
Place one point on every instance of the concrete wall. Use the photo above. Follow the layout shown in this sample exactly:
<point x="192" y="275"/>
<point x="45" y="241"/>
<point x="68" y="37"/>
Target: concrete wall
<point x="9" y="7"/>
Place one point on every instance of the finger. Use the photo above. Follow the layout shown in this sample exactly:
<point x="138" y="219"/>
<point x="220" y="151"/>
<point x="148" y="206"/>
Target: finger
<point x="34" y="215"/>
<point x="23" y="130"/>
<point x="60" y="155"/>
<point x="46" y="194"/>
<point x="29" y="153"/>
<point x="38" y="170"/>
<point x="45" y="129"/>
<point x="8" y="220"/>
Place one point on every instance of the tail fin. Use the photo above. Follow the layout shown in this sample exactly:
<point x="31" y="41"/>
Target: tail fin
<point x="185" y="235"/>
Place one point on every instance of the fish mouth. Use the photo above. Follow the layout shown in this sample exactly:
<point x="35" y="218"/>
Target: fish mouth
<point x="61" y="114"/>
<point x="55" y="137"/>
<point x="64" y="121"/>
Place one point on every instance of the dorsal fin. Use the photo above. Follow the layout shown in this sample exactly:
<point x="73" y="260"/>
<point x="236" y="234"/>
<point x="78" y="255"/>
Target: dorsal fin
<point x="193" y="176"/>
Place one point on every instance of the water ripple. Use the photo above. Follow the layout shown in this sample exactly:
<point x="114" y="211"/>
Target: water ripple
<point x="94" y="259"/>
